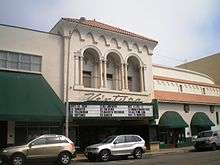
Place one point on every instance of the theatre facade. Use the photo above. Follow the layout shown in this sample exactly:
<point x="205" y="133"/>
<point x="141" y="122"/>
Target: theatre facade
<point x="110" y="83"/>
<point x="102" y="72"/>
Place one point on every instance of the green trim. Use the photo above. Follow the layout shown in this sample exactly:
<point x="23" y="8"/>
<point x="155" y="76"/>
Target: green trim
<point x="200" y="119"/>
<point x="28" y="97"/>
<point x="171" y="119"/>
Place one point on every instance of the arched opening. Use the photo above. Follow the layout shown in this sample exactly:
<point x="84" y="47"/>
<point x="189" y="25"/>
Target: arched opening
<point x="172" y="129"/>
<point x="91" y="76"/>
<point x="133" y="77"/>
<point x="200" y="122"/>
<point x="113" y="72"/>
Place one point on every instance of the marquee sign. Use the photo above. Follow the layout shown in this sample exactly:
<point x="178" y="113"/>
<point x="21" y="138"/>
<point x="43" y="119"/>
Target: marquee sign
<point x="81" y="110"/>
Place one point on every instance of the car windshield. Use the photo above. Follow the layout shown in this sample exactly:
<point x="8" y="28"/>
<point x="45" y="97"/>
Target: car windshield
<point x="205" y="134"/>
<point x="108" y="139"/>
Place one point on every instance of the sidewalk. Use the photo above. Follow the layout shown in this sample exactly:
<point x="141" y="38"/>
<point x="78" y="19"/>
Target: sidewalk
<point x="154" y="153"/>
<point x="170" y="151"/>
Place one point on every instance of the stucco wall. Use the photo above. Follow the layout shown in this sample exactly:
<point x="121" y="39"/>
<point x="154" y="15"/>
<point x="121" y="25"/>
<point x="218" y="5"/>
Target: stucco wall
<point x="49" y="46"/>
<point x="104" y="42"/>
<point x="181" y="74"/>
<point x="164" y="107"/>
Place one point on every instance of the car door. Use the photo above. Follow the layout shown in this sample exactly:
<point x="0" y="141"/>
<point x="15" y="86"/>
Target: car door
<point x="130" y="144"/>
<point x="37" y="149"/>
<point x="54" y="146"/>
<point x="119" y="146"/>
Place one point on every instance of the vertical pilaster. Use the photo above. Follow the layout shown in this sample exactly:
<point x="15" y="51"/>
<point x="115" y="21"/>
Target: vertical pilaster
<point x="141" y="79"/>
<point x="126" y="76"/>
<point x="81" y="71"/>
<point x="77" y="69"/>
<point x="122" y="76"/>
<point x="100" y="73"/>
<point x="105" y="73"/>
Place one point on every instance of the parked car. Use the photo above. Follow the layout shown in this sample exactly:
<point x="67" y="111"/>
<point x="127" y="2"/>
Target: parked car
<point x="117" y="145"/>
<point x="46" y="146"/>
<point x="207" y="139"/>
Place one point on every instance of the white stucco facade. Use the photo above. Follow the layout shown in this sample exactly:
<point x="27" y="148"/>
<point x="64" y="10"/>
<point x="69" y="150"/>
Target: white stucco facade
<point x="89" y="50"/>
<point x="192" y="87"/>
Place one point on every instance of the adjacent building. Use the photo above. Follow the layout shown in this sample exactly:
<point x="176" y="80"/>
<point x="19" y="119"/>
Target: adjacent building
<point x="208" y="65"/>
<point x="189" y="102"/>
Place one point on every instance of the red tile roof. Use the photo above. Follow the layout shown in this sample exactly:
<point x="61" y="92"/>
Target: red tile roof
<point x="96" y="24"/>
<point x="185" y="81"/>
<point x="175" y="97"/>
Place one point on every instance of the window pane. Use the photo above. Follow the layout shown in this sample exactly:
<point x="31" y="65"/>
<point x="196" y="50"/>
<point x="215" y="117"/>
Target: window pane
<point x="12" y="57"/>
<point x="2" y="63"/>
<point x="3" y="55"/>
<point x="36" y="67"/>
<point x="25" y="66"/>
<point x="87" y="79"/>
<point x="35" y="59"/>
<point x="25" y="58"/>
<point x="12" y="65"/>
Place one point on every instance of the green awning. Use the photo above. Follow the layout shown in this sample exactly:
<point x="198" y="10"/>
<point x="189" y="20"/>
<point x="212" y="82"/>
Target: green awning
<point x="28" y="97"/>
<point x="200" y="119"/>
<point x="171" y="119"/>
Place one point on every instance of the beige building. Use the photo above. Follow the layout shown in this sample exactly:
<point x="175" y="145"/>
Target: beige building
<point x="207" y="65"/>
<point x="104" y="72"/>
<point x="189" y="102"/>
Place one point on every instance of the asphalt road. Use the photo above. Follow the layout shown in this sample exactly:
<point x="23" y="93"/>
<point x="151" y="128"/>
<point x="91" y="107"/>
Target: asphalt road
<point x="191" y="158"/>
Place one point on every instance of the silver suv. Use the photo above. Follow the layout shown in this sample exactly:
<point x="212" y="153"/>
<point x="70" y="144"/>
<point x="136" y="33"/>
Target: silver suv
<point x="117" y="145"/>
<point x="45" y="146"/>
<point x="207" y="139"/>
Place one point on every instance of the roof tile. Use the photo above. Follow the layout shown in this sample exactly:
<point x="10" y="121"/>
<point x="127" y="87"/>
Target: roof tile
<point x="96" y="24"/>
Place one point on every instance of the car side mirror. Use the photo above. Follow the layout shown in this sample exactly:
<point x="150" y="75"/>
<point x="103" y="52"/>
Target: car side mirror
<point x="116" y="142"/>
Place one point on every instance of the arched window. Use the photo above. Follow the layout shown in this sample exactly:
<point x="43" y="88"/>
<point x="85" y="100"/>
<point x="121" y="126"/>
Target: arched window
<point x="113" y="71"/>
<point x="91" y="76"/>
<point x="134" y="79"/>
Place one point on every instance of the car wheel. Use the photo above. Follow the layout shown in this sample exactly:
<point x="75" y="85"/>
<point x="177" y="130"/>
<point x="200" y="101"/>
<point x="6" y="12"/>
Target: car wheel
<point x="138" y="153"/>
<point x="17" y="159"/>
<point x="213" y="147"/>
<point x="64" y="158"/>
<point x="105" y="155"/>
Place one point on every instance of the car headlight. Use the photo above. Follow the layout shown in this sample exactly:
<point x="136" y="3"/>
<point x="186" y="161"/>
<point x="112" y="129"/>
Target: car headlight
<point x="5" y="150"/>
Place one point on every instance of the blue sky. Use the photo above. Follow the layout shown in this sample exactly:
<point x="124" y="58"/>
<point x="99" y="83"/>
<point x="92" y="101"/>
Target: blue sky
<point x="186" y="29"/>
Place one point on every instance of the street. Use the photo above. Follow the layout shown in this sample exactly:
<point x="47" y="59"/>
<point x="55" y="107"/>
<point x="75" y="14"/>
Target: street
<point x="191" y="158"/>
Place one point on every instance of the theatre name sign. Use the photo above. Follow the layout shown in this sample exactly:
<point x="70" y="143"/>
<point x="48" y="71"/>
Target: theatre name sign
<point x="83" y="110"/>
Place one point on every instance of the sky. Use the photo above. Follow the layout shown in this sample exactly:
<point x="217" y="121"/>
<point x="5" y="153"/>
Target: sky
<point x="185" y="29"/>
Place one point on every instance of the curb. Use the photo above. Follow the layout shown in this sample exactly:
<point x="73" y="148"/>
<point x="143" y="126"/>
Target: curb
<point x="148" y="154"/>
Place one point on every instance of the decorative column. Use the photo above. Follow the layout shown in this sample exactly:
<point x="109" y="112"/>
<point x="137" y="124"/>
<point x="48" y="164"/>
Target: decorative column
<point x="147" y="78"/>
<point x="122" y="76"/>
<point x="100" y="73"/>
<point x="81" y="71"/>
<point x="77" y="69"/>
<point x="104" y="74"/>
<point x="126" y="76"/>
<point x="141" y="79"/>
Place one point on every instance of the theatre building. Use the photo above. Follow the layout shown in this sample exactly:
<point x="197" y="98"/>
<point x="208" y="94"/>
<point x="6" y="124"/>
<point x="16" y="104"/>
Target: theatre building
<point x="110" y="82"/>
<point x="189" y="102"/>
<point x="102" y="72"/>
